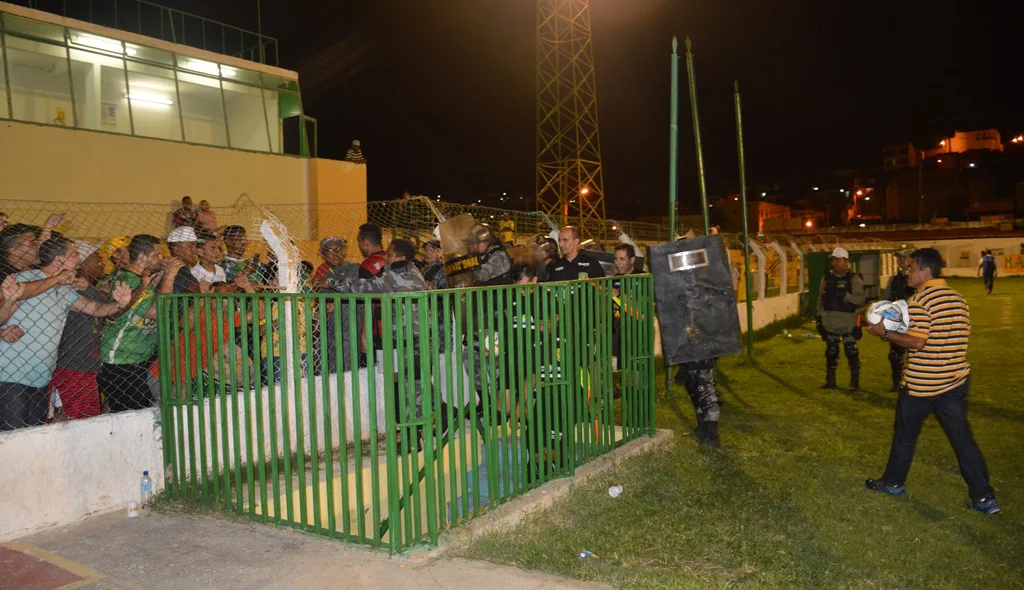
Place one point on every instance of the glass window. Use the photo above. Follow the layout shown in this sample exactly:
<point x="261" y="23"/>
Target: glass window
<point x="272" y="105"/>
<point x="96" y="43"/>
<point x="149" y="54"/>
<point x="4" y="111"/>
<point x="154" y="102"/>
<point x="14" y="24"/>
<point x="203" y="109"/>
<point x="40" y="90"/>
<point x="247" y="121"/>
<point x="101" y="99"/>
<point x="244" y="76"/>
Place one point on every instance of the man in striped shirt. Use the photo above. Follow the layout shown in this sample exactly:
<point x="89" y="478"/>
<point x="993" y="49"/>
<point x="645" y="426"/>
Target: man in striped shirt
<point x="935" y="379"/>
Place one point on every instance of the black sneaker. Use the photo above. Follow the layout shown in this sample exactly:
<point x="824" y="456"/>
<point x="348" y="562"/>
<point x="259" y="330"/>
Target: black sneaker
<point x="986" y="505"/>
<point x="877" y="485"/>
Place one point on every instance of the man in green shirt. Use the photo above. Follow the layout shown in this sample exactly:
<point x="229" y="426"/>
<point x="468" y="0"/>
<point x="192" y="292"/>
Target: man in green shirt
<point x="129" y="340"/>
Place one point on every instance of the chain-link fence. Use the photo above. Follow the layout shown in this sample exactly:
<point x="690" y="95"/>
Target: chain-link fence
<point x="77" y="315"/>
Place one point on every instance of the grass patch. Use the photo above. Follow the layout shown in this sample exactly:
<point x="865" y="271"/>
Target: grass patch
<point x="783" y="503"/>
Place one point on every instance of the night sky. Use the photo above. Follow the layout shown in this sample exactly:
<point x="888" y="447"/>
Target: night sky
<point x="442" y="92"/>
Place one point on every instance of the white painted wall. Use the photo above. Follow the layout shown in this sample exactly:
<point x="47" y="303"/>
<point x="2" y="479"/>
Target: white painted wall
<point x="962" y="256"/>
<point x="57" y="474"/>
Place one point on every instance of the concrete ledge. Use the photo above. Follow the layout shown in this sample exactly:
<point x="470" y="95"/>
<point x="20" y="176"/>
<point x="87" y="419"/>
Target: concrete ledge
<point x="514" y="511"/>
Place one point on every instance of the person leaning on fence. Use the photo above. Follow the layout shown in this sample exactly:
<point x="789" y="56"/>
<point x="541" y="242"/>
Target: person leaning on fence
<point x="114" y="254"/>
<point x="19" y="244"/>
<point x="574" y="264"/>
<point x="839" y="295"/>
<point x="27" y="365"/>
<point x="399" y="275"/>
<point x="235" y="262"/>
<point x="128" y="343"/>
<point x="208" y="268"/>
<point x="936" y="379"/>
<point x="334" y="271"/>
<point x="183" y="244"/>
<point x="73" y="387"/>
<point x="897" y="289"/>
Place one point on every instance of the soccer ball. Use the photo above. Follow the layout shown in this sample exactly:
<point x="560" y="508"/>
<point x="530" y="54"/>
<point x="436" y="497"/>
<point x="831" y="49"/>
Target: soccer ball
<point x="894" y="315"/>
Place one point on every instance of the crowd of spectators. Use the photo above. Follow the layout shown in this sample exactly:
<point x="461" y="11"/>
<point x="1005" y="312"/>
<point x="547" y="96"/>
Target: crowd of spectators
<point x="78" y="320"/>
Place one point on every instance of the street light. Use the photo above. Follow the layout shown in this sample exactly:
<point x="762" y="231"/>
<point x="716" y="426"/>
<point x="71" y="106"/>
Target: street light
<point x="860" y="193"/>
<point x="585" y="191"/>
<point x="809" y="223"/>
<point x="867" y="198"/>
<point x="942" y="143"/>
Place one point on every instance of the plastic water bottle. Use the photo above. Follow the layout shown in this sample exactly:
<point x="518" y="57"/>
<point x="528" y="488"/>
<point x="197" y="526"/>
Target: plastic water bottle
<point x="588" y="556"/>
<point x="145" y="489"/>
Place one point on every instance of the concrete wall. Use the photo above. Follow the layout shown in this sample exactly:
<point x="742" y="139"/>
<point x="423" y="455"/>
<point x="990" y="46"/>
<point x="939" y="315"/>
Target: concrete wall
<point x="57" y="474"/>
<point x="42" y="163"/>
<point x="962" y="256"/>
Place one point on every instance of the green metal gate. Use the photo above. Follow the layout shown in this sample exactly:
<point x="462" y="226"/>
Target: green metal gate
<point x="270" y="411"/>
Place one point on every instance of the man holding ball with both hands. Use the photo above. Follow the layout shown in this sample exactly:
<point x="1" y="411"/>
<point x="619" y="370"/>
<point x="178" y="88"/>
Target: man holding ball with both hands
<point x="936" y="378"/>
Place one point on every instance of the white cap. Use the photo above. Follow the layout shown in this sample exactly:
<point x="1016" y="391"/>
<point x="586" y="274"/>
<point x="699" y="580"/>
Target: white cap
<point x="182" y="234"/>
<point x="837" y="253"/>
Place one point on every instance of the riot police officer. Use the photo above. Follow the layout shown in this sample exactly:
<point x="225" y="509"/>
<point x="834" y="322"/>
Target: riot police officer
<point x="841" y="292"/>
<point x="495" y="265"/>
<point x="698" y="377"/>
<point x="898" y="289"/>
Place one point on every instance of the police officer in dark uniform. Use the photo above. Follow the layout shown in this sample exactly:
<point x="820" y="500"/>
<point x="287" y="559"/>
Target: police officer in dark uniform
<point x="573" y="264"/>
<point x="841" y="292"/>
<point x="495" y="265"/>
<point x="896" y="290"/>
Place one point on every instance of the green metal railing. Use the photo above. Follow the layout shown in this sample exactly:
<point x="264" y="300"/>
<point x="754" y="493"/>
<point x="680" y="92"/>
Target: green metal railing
<point x="168" y="24"/>
<point x="393" y="451"/>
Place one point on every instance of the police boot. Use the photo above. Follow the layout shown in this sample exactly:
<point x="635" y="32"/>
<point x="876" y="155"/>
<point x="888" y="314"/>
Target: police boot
<point x="698" y="432"/>
<point x="710" y="436"/>
<point x="853" y="358"/>
<point x="831" y="362"/>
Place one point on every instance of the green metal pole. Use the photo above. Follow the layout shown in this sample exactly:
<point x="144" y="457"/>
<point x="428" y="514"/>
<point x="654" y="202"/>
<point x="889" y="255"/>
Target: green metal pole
<point x="696" y="137"/>
<point x="673" y="164"/>
<point x="673" y="143"/>
<point x="743" y="206"/>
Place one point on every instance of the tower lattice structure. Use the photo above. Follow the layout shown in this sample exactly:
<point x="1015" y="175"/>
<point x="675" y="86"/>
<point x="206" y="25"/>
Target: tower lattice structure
<point x="570" y="181"/>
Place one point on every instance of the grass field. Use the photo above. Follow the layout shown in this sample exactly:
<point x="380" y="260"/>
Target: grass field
<point x="783" y="503"/>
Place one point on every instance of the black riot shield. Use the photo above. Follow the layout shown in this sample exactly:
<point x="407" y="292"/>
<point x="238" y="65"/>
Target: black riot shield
<point x="696" y="301"/>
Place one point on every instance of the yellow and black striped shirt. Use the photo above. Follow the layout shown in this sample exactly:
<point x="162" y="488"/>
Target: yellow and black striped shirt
<point x="941" y="316"/>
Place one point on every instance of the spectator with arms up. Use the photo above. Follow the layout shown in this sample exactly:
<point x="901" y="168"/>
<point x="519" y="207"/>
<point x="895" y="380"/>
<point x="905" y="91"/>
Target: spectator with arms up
<point x="129" y="341"/>
<point x="26" y="366"/>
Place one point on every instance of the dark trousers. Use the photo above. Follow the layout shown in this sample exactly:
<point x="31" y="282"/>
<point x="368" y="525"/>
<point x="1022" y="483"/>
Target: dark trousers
<point x="896" y="354"/>
<point x="22" y="406"/>
<point x="951" y="410"/>
<point x="989" y="281"/>
<point x="125" y="387"/>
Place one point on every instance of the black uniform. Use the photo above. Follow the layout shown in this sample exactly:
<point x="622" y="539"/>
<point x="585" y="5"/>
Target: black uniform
<point x="581" y="267"/>
<point x="896" y="290"/>
<point x="698" y="377"/>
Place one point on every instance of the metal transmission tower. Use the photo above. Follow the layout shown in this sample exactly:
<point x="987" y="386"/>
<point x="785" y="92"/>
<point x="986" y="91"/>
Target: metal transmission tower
<point x="570" y="183"/>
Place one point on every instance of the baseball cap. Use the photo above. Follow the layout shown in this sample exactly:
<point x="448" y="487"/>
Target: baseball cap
<point x="182" y="234"/>
<point x="840" y="253"/>
<point x="331" y="241"/>
<point x="109" y="247"/>
<point x="204" y="237"/>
